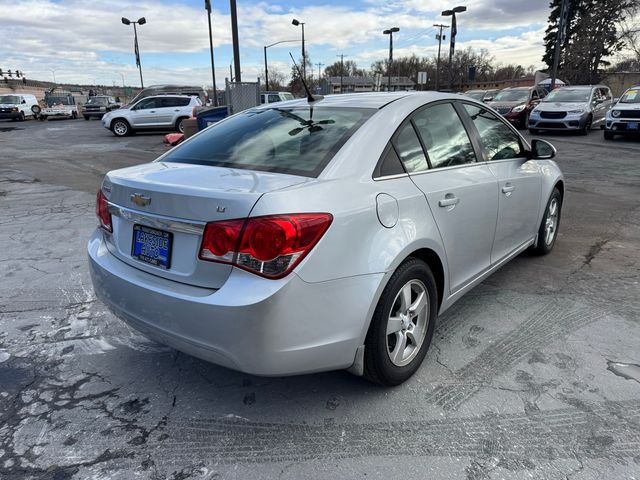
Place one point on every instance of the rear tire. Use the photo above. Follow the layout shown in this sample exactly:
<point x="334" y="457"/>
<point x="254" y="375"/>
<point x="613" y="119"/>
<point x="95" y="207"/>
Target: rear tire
<point x="402" y="325"/>
<point x="22" y="117"/>
<point x="548" y="231"/>
<point x="86" y="117"/>
<point x="120" y="127"/>
<point x="609" y="135"/>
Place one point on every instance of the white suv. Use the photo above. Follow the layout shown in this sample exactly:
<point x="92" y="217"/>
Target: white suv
<point x="161" y="112"/>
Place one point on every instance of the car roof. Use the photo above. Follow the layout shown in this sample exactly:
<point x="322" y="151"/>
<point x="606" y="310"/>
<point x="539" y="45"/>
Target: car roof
<point x="164" y="95"/>
<point x="360" y="100"/>
<point x="519" y="88"/>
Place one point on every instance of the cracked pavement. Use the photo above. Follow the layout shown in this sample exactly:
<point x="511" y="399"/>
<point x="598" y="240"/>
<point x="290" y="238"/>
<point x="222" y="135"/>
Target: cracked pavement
<point x="534" y="374"/>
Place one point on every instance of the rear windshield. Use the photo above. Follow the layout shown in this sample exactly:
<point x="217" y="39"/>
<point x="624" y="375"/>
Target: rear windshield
<point x="476" y="95"/>
<point x="293" y="140"/>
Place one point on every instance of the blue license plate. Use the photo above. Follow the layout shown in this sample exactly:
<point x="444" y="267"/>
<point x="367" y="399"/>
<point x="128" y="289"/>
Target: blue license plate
<point x="152" y="246"/>
<point x="632" y="125"/>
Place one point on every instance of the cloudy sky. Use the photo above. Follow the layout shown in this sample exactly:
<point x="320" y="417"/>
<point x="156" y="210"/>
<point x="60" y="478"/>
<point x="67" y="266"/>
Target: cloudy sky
<point x="85" y="41"/>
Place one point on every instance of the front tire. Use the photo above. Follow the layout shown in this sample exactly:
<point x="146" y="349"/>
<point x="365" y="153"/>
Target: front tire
<point x="586" y="128"/>
<point x="86" y="117"/>
<point x="548" y="231"/>
<point x="534" y="131"/>
<point x="22" y="117"/>
<point x="402" y="325"/>
<point x="120" y="128"/>
<point x="180" y="124"/>
<point x="609" y="135"/>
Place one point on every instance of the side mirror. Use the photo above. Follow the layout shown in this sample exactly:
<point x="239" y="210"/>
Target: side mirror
<point x="23" y="101"/>
<point x="598" y="101"/>
<point x="542" y="150"/>
<point x="487" y="99"/>
<point x="615" y="99"/>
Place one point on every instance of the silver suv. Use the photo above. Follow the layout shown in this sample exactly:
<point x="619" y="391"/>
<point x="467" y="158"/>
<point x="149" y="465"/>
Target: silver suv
<point x="578" y="108"/>
<point x="161" y="112"/>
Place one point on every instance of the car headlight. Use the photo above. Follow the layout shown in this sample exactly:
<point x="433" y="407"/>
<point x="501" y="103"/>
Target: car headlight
<point x="615" y="113"/>
<point x="535" y="112"/>
<point x="519" y="108"/>
<point x="575" y="112"/>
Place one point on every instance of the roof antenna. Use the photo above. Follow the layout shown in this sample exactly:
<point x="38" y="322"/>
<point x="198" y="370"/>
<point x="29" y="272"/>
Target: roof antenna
<point x="310" y="97"/>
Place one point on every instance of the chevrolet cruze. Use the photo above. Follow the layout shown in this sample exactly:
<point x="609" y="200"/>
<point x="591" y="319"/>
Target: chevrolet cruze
<point x="307" y="236"/>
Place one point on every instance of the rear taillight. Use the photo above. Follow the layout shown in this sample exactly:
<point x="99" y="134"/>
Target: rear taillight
<point x="269" y="246"/>
<point x="102" y="211"/>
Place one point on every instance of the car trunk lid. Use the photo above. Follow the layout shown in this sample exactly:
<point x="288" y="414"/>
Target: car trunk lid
<point x="176" y="200"/>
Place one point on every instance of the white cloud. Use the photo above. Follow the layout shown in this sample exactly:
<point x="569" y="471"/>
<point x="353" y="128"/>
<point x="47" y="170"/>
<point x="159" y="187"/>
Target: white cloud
<point x="72" y="35"/>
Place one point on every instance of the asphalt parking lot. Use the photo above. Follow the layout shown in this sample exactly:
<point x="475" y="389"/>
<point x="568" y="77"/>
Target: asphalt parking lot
<point x="534" y="374"/>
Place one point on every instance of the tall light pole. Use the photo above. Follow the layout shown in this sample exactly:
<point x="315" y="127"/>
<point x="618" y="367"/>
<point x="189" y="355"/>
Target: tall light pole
<point x="304" y="55"/>
<point x="560" y="38"/>
<point x="54" y="75"/>
<point x="440" y="38"/>
<point x="341" y="72"/>
<point x="390" y="32"/>
<point x="454" y="31"/>
<point x="207" y="7"/>
<point x="266" y="69"/>
<point x="141" y="21"/>
<point x="236" y="43"/>
<point x="122" y="75"/>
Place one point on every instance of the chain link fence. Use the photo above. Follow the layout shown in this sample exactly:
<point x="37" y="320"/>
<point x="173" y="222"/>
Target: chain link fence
<point x="242" y="95"/>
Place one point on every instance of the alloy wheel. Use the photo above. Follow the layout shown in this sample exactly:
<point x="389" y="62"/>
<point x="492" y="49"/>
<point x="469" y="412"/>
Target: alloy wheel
<point x="408" y="323"/>
<point x="120" y="128"/>
<point x="551" y="223"/>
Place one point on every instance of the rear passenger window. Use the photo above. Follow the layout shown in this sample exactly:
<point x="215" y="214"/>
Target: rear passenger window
<point x="410" y="151"/>
<point x="444" y="136"/>
<point x="498" y="140"/>
<point x="389" y="164"/>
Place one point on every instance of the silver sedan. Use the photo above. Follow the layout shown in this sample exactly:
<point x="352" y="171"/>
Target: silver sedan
<point x="312" y="236"/>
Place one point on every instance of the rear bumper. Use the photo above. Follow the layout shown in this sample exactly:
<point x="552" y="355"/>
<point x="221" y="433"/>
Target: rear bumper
<point x="251" y="324"/>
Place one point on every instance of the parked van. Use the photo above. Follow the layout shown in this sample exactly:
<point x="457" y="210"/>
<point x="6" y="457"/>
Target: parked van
<point x="173" y="90"/>
<point x="18" y="106"/>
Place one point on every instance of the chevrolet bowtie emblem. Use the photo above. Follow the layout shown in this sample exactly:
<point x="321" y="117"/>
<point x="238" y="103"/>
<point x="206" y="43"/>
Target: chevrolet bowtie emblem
<point x="140" y="200"/>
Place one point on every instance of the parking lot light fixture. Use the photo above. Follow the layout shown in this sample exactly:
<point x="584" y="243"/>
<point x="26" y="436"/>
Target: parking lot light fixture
<point x="140" y="21"/>
<point x="266" y="69"/>
<point x="452" y="38"/>
<point x="304" y="55"/>
<point x="390" y="32"/>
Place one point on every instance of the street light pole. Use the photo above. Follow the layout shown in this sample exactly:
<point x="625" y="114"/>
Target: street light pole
<point x="341" y="72"/>
<point x="390" y="32"/>
<point x="266" y="70"/>
<point x="452" y="42"/>
<point x="54" y="76"/>
<point x="304" y="55"/>
<point x="140" y="21"/>
<point x="207" y="7"/>
<point x="439" y="37"/>
<point x="236" y="44"/>
<point x="560" y="37"/>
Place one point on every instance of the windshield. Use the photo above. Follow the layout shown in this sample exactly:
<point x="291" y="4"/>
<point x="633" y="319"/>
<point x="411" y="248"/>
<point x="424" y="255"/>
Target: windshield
<point x="631" y="96"/>
<point x="286" y="96"/>
<point x="13" y="99"/>
<point x="296" y="140"/>
<point x="97" y="101"/>
<point x="478" y="95"/>
<point x="568" y="95"/>
<point x="512" y="96"/>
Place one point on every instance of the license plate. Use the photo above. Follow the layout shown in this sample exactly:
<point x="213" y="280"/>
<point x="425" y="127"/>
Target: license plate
<point x="152" y="246"/>
<point x="632" y="125"/>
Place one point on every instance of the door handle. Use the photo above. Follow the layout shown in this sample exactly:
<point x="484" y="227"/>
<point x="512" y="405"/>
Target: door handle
<point x="152" y="111"/>
<point x="508" y="189"/>
<point x="177" y="110"/>
<point x="449" y="200"/>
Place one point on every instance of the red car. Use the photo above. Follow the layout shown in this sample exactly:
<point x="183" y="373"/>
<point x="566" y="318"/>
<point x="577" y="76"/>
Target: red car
<point x="515" y="103"/>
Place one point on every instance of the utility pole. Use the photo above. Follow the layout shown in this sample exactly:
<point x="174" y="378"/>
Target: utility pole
<point x="452" y="38"/>
<point x="390" y="32"/>
<point x="320" y="65"/>
<point x="341" y="71"/>
<point x="560" y="38"/>
<point x="234" y="34"/>
<point x="440" y="38"/>
<point x="207" y="6"/>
